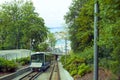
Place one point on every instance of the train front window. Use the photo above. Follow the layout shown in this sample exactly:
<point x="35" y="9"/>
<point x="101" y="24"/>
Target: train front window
<point x="37" y="58"/>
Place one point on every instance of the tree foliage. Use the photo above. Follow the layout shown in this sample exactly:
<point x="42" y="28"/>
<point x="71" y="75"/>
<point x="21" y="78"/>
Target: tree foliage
<point x="51" y="39"/>
<point x="80" y="21"/>
<point x="109" y="33"/>
<point x="49" y="44"/>
<point x="19" y="23"/>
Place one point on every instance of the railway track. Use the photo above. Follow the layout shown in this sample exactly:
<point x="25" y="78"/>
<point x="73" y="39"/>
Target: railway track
<point x="31" y="76"/>
<point x="54" y="74"/>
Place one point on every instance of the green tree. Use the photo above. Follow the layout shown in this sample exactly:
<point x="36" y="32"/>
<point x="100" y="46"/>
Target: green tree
<point x="51" y="40"/>
<point x="109" y="33"/>
<point x="19" y="24"/>
<point x="80" y="22"/>
<point x="49" y="44"/>
<point x="43" y="46"/>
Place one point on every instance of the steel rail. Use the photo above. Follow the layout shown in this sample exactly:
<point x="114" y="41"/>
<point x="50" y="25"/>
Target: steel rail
<point x="54" y="75"/>
<point x="31" y="76"/>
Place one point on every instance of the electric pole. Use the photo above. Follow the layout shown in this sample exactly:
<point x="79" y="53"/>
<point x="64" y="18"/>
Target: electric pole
<point x="96" y="67"/>
<point x="65" y="48"/>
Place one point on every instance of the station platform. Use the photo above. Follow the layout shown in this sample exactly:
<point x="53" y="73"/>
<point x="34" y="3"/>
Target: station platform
<point x="64" y="75"/>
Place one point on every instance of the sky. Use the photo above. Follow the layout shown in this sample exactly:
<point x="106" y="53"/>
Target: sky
<point x="52" y="11"/>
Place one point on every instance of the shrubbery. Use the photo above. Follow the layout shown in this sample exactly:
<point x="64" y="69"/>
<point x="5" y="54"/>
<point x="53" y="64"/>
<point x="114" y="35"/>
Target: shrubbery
<point x="23" y="61"/>
<point x="7" y="66"/>
<point x="11" y="66"/>
<point x="76" y="65"/>
<point x="83" y="68"/>
<point x="79" y="64"/>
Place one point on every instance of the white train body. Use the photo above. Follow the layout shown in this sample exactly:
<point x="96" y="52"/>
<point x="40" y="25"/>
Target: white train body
<point x="35" y="65"/>
<point x="40" y="61"/>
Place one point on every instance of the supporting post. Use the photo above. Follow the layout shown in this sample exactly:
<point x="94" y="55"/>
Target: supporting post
<point x="95" y="40"/>
<point x="65" y="49"/>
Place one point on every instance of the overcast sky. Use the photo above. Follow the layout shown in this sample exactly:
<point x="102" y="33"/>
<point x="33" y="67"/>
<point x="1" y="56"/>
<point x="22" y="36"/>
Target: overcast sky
<point x="52" y="11"/>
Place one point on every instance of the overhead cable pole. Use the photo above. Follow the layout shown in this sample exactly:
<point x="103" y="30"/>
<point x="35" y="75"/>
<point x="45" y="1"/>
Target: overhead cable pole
<point x="65" y="48"/>
<point x="95" y="76"/>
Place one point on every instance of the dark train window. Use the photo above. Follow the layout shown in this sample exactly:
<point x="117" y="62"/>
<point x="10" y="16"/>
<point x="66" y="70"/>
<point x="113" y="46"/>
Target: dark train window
<point x="37" y="58"/>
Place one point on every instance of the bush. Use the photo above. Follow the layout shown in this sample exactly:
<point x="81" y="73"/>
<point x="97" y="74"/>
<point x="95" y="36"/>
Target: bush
<point x="3" y="64"/>
<point x="73" y="72"/>
<point x="77" y="64"/>
<point x="11" y="66"/>
<point x="83" y="68"/>
<point x="23" y="61"/>
<point x="7" y="66"/>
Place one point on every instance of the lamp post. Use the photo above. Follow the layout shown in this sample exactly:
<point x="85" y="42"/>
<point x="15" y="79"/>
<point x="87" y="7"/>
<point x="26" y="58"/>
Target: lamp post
<point x="95" y="76"/>
<point x="65" y="48"/>
<point x="33" y="40"/>
<point x="1" y="35"/>
<point x="31" y="44"/>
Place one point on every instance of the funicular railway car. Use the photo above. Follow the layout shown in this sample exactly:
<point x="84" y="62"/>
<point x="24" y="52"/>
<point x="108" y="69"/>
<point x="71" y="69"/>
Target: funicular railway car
<point x="41" y="61"/>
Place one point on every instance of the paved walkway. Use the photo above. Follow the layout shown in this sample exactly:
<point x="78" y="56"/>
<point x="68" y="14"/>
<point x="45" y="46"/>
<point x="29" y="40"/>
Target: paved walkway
<point x="64" y="75"/>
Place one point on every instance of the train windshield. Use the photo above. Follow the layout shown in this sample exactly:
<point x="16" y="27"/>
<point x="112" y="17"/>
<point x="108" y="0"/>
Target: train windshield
<point x="37" y="58"/>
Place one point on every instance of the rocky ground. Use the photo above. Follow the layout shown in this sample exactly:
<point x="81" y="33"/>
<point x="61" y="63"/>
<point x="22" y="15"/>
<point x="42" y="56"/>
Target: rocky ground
<point x="103" y="75"/>
<point x="6" y="73"/>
